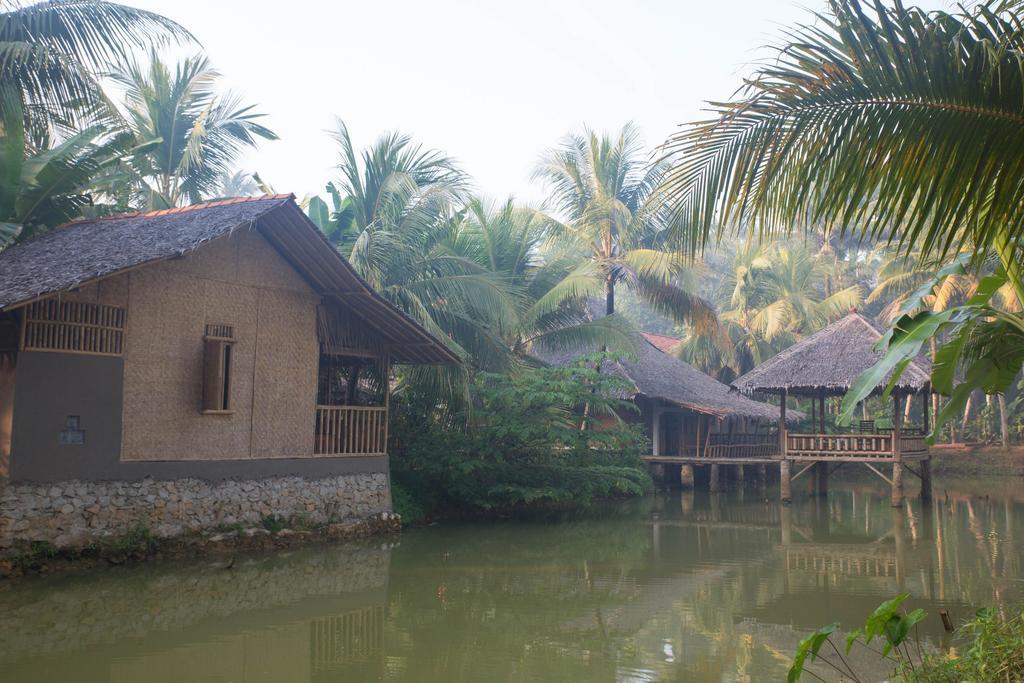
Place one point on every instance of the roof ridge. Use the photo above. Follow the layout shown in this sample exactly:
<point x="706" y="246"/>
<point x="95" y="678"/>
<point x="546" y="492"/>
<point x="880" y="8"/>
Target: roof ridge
<point x="185" y="209"/>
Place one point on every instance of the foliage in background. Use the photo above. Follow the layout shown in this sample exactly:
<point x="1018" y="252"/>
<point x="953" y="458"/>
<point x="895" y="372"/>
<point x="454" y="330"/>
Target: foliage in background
<point x="523" y="445"/>
<point x="609" y="216"/>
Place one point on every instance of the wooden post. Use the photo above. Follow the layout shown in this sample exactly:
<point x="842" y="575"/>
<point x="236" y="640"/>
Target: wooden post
<point x="785" y="484"/>
<point x="715" y="480"/>
<point x="686" y="476"/>
<point x="897" y="493"/>
<point x="821" y="479"/>
<point x="655" y="429"/>
<point x="821" y="409"/>
<point x="926" y="479"/>
<point x="740" y="475"/>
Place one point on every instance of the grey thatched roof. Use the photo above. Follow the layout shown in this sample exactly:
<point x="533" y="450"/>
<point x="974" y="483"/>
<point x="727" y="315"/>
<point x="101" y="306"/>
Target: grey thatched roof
<point x="830" y="359"/>
<point x="89" y="250"/>
<point x="658" y="375"/>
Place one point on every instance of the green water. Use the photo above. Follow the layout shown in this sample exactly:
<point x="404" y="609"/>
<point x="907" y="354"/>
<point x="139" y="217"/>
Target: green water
<point x="681" y="588"/>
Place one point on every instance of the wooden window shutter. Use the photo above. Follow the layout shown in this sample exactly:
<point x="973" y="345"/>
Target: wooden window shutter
<point x="214" y="375"/>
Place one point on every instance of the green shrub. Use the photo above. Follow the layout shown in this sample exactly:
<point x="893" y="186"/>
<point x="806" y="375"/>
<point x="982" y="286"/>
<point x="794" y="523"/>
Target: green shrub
<point x="540" y="436"/>
<point x="994" y="647"/>
<point x="406" y="504"/>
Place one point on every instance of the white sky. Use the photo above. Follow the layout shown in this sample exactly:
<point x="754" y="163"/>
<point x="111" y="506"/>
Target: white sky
<point x="491" y="83"/>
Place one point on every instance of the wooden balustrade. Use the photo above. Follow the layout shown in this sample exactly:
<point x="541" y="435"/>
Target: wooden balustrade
<point x="852" y="445"/>
<point x="351" y="430"/>
<point x="838" y="445"/>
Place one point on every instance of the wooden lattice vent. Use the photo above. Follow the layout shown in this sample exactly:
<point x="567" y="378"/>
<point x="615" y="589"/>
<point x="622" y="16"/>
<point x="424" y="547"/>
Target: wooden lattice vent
<point x="73" y="327"/>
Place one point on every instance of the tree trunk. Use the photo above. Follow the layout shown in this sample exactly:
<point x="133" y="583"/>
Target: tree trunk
<point x="609" y="295"/>
<point x="906" y="408"/>
<point x="1004" y="422"/>
<point x="967" y="415"/>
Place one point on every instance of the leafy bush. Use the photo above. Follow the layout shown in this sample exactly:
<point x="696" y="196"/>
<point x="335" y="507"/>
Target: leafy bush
<point x="994" y="652"/>
<point x="539" y="436"/>
<point x="994" y="649"/>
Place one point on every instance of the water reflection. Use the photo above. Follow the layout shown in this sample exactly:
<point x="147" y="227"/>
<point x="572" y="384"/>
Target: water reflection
<point x="693" y="587"/>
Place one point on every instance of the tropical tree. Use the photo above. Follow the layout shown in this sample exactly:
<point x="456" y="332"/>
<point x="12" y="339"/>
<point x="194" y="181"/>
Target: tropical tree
<point x="768" y="296"/>
<point x="507" y="240"/>
<point x="609" y="215"/>
<point x="49" y="187"/>
<point x="901" y="124"/>
<point x="404" y="202"/>
<point x="198" y="132"/>
<point x="51" y="51"/>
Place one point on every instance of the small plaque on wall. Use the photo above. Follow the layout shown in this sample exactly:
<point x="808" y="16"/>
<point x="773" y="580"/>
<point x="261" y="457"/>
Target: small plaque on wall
<point x="72" y="434"/>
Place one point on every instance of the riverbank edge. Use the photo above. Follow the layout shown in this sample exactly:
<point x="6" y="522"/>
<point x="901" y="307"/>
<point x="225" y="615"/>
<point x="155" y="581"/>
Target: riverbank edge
<point x="140" y="546"/>
<point x="975" y="461"/>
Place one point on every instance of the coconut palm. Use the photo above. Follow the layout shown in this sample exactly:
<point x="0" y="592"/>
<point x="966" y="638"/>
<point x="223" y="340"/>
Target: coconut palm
<point x="507" y="240"/>
<point x="199" y="133"/>
<point x="769" y="296"/>
<point x="872" y="120"/>
<point x="898" y="123"/>
<point x="51" y="51"/>
<point x="405" y="203"/>
<point x="610" y="216"/>
<point x="51" y="186"/>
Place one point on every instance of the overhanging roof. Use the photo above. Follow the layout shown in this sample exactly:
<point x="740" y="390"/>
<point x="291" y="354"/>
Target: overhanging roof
<point x="89" y="250"/>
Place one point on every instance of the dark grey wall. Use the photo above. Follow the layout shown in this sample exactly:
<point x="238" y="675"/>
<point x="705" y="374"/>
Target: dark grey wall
<point x="52" y="386"/>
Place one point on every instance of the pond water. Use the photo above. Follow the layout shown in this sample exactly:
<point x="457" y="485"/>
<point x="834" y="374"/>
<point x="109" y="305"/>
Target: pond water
<point x="677" y="587"/>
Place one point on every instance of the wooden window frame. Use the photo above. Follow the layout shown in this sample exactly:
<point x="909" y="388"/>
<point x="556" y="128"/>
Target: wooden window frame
<point x="218" y="369"/>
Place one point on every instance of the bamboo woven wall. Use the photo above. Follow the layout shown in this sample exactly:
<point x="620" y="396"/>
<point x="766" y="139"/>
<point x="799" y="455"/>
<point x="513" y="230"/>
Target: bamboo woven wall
<point x="240" y="281"/>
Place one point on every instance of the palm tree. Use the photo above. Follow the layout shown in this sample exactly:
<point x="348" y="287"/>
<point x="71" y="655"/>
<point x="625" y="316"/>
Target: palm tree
<point x="51" y="186"/>
<point x="769" y="295"/>
<point x="404" y="202"/>
<point x="550" y="313"/>
<point x="873" y="119"/>
<point x="51" y="51"/>
<point x="198" y="133"/>
<point x="898" y="123"/>
<point x="611" y="218"/>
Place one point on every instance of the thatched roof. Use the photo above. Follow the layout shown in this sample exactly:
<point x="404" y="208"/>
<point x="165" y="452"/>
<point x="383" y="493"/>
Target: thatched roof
<point x="658" y="375"/>
<point x="830" y="359"/>
<point x="88" y="250"/>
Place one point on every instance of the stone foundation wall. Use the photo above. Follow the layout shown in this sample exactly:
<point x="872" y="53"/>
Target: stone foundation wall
<point x="75" y="513"/>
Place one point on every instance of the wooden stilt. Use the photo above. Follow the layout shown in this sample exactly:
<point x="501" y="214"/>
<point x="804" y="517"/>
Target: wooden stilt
<point x="926" y="479"/>
<point x="785" y="485"/>
<point x="740" y="475"/>
<point x="715" y="480"/>
<point x="897" y="465"/>
<point x="897" y="484"/>
<point x="821" y="479"/>
<point x="686" y="477"/>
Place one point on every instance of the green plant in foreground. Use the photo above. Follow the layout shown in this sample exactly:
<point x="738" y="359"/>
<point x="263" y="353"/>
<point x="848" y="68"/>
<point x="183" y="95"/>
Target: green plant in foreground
<point x="994" y="649"/>
<point x="889" y="623"/>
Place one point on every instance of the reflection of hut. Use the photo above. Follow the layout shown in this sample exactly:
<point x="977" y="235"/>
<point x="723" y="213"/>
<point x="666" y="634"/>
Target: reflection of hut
<point x="826" y="364"/>
<point x="690" y="417"/>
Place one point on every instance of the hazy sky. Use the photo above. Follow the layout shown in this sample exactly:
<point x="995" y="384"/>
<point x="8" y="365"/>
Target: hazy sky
<point x="491" y="83"/>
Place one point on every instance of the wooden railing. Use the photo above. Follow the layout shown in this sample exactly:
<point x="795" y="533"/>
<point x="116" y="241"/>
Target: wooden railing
<point x="351" y="430"/>
<point x="913" y="443"/>
<point x="828" y="445"/>
<point x="852" y="445"/>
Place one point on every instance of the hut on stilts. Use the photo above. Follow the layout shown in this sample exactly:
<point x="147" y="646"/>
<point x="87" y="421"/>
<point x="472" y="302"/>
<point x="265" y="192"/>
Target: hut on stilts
<point x="826" y="364"/>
